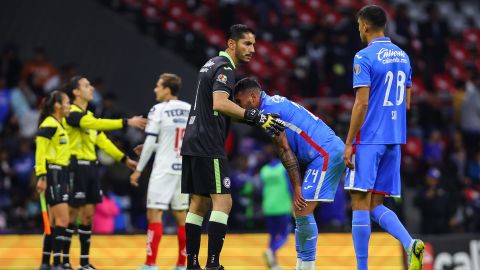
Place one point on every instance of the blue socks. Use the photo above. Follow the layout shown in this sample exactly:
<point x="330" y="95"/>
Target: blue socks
<point x="361" y="231"/>
<point x="389" y="221"/>
<point x="306" y="234"/>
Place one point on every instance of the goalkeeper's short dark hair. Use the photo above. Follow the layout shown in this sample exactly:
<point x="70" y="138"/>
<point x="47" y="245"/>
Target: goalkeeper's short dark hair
<point x="237" y="31"/>
<point x="374" y="15"/>
<point x="247" y="84"/>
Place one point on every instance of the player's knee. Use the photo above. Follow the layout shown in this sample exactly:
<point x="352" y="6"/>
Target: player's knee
<point x="154" y="215"/>
<point x="86" y="218"/>
<point x="222" y="203"/>
<point x="62" y="220"/>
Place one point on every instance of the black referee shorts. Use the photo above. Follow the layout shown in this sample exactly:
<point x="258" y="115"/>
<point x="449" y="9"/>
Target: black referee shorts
<point x="57" y="184"/>
<point x="205" y="176"/>
<point x="86" y="186"/>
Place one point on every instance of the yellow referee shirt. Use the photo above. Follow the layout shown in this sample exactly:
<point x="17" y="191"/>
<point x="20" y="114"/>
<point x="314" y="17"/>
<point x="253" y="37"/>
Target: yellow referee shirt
<point x="86" y="132"/>
<point x="52" y="145"/>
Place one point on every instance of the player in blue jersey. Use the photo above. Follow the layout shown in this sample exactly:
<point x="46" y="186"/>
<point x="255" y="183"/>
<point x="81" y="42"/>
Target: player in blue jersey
<point x="382" y="84"/>
<point x="308" y="142"/>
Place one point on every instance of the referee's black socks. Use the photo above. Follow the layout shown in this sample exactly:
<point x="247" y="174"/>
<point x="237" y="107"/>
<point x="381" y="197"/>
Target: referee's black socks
<point x="84" y="233"/>
<point x="58" y="237"/>
<point x="217" y="228"/>
<point x="68" y="240"/>
<point x="193" y="231"/>
<point x="47" y="247"/>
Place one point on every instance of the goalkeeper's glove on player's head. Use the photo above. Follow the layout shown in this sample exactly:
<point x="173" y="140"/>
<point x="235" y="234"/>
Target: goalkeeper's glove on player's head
<point x="269" y="122"/>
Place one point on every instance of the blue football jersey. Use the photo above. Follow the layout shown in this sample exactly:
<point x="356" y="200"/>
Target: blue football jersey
<point x="310" y="135"/>
<point x="385" y="68"/>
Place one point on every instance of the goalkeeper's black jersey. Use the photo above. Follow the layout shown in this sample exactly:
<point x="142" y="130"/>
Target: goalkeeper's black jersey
<point x="207" y="129"/>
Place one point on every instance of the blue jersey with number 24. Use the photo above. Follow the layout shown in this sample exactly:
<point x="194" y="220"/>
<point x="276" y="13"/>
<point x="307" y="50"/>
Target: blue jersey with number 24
<point x="385" y="68"/>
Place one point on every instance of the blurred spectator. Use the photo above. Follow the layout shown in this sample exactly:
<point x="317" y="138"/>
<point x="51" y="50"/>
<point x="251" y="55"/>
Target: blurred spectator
<point x="458" y="98"/>
<point x="458" y="155"/>
<point x="10" y="65"/>
<point x="433" y="202"/>
<point x="39" y="73"/>
<point x="100" y="90"/>
<point x="68" y="71"/>
<point x="434" y="148"/>
<point x="470" y="117"/>
<point x="401" y="28"/>
<point x="276" y="206"/>
<point x="434" y="34"/>
<point x="242" y="188"/>
<point x="23" y="165"/>
<point x="473" y="170"/>
<point x="23" y="105"/>
<point x="5" y="97"/>
<point x="104" y="218"/>
<point x="332" y="216"/>
<point x="267" y="7"/>
<point x="316" y="52"/>
<point x="6" y="174"/>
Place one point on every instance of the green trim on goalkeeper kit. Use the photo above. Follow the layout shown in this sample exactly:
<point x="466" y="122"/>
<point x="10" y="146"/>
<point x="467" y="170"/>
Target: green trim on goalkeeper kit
<point x="225" y="54"/>
<point x="216" y="167"/>
<point x="215" y="113"/>
<point x="219" y="217"/>
<point x="194" y="219"/>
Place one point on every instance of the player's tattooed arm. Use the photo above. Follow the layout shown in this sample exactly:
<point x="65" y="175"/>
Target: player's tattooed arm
<point x="290" y="162"/>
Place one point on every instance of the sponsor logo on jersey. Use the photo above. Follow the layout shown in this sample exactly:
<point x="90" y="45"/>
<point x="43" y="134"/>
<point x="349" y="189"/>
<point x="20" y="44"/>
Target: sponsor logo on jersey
<point x="79" y="195"/>
<point x="179" y="120"/>
<point x="387" y="56"/>
<point x="222" y="78"/>
<point x="177" y="166"/>
<point x="226" y="182"/>
<point x="278" y="99"/>
<point x="207" y="66"/>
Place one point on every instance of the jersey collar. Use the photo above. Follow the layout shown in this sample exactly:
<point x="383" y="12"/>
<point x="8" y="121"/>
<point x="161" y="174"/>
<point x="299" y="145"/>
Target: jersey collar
<point x="263" y="95"/>
<point x="380" y="40"/>
<point x="225" y="54"/>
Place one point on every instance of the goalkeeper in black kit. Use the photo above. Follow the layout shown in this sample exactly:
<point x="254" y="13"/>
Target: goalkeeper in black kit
<point x="205" y="174"/>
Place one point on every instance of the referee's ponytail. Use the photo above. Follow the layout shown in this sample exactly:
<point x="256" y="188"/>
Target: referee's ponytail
<point x="47" y="106"/>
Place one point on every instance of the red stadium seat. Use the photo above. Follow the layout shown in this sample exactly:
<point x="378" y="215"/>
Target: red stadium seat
<point x="178" y="11"/>
<point x="418" y="88"/>
<point x="443" y="83"/>
<point x="171" y="26"/>
<point x="288" y="49"/>
<point x="458" y="51"/>
<point x="215" y="37"/>
<point x="151" y="13"/>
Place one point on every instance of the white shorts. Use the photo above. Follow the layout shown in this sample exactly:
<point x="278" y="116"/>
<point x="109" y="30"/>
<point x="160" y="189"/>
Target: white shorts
<point x="164" y="191"/>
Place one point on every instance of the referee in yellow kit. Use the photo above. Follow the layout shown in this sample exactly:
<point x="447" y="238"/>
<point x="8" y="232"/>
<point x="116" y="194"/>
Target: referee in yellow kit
<point x="85" y="132"/>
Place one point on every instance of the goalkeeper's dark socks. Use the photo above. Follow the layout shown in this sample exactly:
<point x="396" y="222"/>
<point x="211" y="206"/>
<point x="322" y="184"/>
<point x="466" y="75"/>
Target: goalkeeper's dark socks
<point x="84" y="233"/>
<point x="67" y="241"/>
<point x="217" y="228"/>
<point x="193" y="231"/>
<point x="58" y="236"/>
<point x="47" y="247"/>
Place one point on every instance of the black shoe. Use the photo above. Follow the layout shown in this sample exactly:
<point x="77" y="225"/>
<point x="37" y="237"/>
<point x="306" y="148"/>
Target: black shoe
<point x="67" y="266"/>
<point x="215" y="268"/>
<point x="45" y="266"/>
